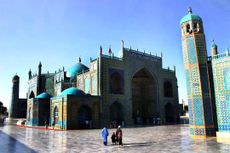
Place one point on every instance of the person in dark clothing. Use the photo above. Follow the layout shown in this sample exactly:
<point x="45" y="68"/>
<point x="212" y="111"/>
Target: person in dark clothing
<point x="119" y="135"/>
<point x="114" y="138"/>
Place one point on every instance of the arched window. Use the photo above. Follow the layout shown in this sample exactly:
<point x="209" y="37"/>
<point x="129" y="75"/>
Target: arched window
<point x="188" y="30"/>
<point x="168" y="90"/>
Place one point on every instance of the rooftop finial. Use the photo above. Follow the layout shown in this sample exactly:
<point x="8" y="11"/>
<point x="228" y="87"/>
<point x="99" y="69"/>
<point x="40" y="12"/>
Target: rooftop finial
<point x="190" y="10"/>
<point x="122" y="44"/>
<point x="110" y="51"/>
<point x="100" y="50"/>
<point x="79" y="59"/>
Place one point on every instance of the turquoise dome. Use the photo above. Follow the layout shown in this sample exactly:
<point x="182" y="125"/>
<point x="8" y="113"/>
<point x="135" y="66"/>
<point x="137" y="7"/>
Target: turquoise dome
<point x="44" y="95"/>
<point x="190" y="16"/>
<point x="75" y="69"/>
<point x="72" y="91"/>
<point x="214" y="45"/>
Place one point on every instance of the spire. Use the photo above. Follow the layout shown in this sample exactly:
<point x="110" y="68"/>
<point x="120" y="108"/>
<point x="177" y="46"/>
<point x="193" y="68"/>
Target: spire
<point x="39" y="68"/>
<point x="122" y="44"/>
<point x="110" y="51"/>
<point x="190" y="10"/>
<point x="30" y="74"/>
<point x="79" y="59"/>
<point x="100" y="50"/>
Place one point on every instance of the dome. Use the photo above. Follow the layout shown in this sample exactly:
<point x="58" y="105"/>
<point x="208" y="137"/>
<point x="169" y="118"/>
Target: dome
<point x="214" y="45"/>
<point x="44" y="95"/>
<point x="190" y="16"/>
<point x="72" y="91"/>
<point x="75" y="69"/>
<point x="16" y="77"/>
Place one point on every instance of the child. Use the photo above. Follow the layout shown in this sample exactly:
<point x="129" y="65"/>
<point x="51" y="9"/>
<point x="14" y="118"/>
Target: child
<point x="114" y="138"/>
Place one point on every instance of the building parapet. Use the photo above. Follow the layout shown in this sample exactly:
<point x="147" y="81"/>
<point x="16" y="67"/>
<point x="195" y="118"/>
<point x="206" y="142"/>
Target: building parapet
<point x="219" y="56"/>
<point x="112" y="57"/>
<point x="143" y="54"/>
<point x="168" y="70"/>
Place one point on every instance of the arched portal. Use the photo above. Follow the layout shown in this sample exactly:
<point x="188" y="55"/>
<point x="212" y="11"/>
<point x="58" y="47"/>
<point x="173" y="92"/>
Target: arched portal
<point x="144" y="97"/>
<point x="84" y="117"/>
<point x="31" y="95"/>
<point x="169" y="113"/>
<point x="116" y="113"/>
<point x="55" y="115"/>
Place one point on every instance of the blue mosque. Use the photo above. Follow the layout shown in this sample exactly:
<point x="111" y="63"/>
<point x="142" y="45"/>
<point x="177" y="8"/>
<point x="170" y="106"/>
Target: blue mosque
<point x="207" y="80"/>
<point x="132" y="89"/>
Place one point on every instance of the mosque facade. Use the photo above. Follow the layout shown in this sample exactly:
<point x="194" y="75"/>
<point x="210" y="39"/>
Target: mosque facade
<point x="133" y="89"/>
<point x="207" y="80"/>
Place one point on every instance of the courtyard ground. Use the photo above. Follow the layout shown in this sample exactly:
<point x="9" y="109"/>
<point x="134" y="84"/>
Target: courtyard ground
<point x="156" y="139"/>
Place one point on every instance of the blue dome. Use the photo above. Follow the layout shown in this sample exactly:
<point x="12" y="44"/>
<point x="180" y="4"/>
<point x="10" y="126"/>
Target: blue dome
<point x="75" y="69"/>
<point x="190" y="16"/>
<point x="72" y="91"/>
<point x="44" y="95"/>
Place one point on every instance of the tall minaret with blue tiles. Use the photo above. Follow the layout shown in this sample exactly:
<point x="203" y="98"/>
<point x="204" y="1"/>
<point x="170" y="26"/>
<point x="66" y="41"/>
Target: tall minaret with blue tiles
<point x="201" y="115"/>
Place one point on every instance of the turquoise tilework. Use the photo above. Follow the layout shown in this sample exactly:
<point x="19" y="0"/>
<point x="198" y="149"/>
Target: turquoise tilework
<point x="191" y="50"/>
<point x="190" y="110"/>
<point x="227" y="78"/>
<point x="187" y="82"/>
<point x="198" y="111"/>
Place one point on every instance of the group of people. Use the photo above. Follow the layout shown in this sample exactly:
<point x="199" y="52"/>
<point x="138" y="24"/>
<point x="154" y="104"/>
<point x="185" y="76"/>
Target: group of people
<point x="116" y="137"/>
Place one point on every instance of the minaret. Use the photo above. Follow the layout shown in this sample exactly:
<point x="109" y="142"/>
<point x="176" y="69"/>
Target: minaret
<point x="14" y="97"/>
<point x="39" y="79"/>
<point x="201" y="115"/>
<point x="39" y="68"/>
<point x="30" y="74"/>
<point x="214" y="50"/>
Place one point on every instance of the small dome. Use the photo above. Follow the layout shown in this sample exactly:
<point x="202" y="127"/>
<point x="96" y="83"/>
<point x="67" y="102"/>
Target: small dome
<point x="75" y="69"/>
<point x="16" y="77"/>
<point x="44" y="95"/>
<point x="190" y="16"/>
<point x="214" y="44"/>
<point x="72" y="91"/>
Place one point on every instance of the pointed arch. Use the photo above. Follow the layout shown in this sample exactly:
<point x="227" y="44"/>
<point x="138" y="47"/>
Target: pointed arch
<point x="31" y="94"/>
<point x="116" y="113"/>
<point x="144" y="96"/>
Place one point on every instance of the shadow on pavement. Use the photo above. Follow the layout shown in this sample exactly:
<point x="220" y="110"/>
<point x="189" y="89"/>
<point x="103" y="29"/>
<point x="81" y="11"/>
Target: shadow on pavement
<point x="137" y="144"/>
<point x="12" y="145"/>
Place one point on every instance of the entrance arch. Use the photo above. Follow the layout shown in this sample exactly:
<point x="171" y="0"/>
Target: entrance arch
<point x="116" y="113"/>
<point x="169" y="113"/>
<point x="32" y="95"/>
<point x="84" y="117"/>
<point x="144" y="97"/>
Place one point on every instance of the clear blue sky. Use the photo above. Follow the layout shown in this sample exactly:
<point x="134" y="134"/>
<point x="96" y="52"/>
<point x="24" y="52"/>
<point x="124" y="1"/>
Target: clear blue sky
<point x="57" y="32"/>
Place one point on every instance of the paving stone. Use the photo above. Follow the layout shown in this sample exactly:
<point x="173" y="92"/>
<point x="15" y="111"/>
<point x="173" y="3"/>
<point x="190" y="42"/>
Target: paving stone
<point x="163" y="139"/>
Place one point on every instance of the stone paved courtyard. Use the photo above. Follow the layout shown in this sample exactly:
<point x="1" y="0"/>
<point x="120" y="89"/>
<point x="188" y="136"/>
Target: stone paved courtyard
<point x="164" y="139"/>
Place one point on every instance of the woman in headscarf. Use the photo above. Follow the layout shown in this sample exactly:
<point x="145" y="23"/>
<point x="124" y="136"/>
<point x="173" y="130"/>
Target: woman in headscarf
<point x="104" y="134"/>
